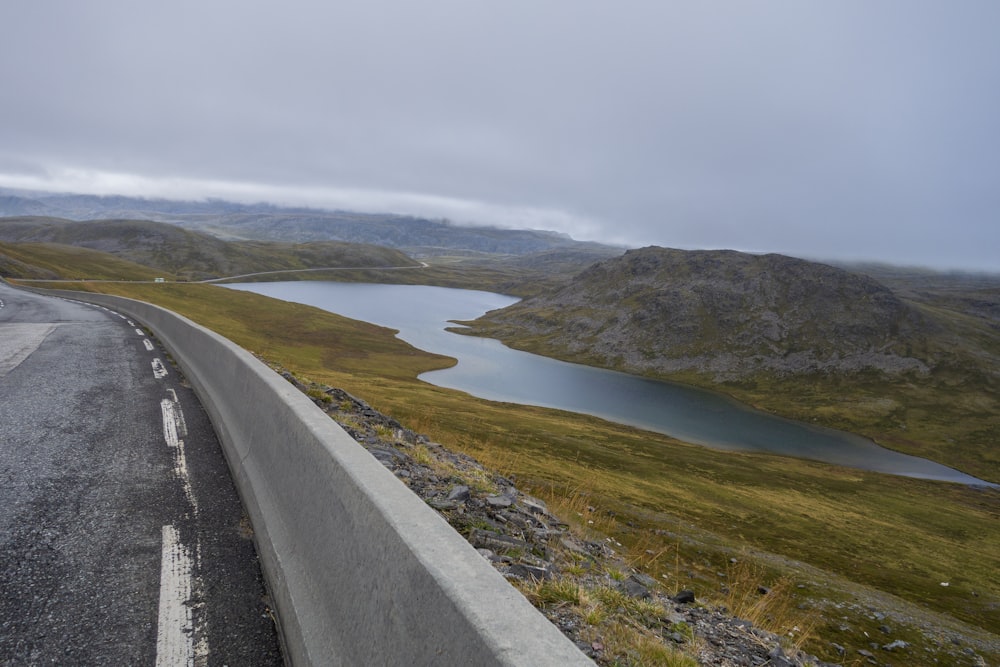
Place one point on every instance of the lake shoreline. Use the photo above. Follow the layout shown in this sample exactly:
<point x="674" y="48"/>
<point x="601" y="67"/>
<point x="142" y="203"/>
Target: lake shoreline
<point x="488" y="369"/>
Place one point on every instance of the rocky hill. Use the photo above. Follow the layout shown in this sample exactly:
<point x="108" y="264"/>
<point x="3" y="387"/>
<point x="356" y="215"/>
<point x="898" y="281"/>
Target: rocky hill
<point x="190" y="254"/>
<point x="722" y="313"/>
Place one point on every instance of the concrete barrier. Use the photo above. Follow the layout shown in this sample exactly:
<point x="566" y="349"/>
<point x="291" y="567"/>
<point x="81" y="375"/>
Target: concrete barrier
<point x="360" y="570"/>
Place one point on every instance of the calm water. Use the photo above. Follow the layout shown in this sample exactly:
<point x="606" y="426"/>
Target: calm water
<point x="488" y="369"/>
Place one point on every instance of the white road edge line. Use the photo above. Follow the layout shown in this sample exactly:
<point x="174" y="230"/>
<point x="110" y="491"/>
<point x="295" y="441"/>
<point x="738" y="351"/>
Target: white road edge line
<point x="174" y="432"/>
<point x="175" y="625"/>
<point x="159" y="370"/>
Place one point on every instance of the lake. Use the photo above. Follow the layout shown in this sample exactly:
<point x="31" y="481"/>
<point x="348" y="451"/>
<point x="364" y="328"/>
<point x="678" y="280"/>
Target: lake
<point x="488" y="369"/>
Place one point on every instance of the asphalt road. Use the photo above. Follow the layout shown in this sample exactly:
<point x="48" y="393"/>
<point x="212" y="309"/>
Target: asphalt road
<point x="122" y="539"/>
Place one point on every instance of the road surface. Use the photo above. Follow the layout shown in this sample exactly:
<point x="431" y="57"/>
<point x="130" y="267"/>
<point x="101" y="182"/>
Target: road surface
<point x="122" y="539"/>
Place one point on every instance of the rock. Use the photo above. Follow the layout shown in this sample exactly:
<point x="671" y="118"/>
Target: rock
<point x="499" y="501"/>
<point x="633" y="589"/>
<point x="486" y="539"/>
<point x="530" y="572"/>
<point x="684" y="597"/>
<point x="573" y="544"/>
<point x="778" y="658"/>
<point x="442" y="505"/>
<point x="459" y="494"/>
<point x="898" y="644"/>
<point x="386" y="455"/>
<point x="643" y="579"/>
<point x="534" y="505"/>
<point x="885" y="629"/>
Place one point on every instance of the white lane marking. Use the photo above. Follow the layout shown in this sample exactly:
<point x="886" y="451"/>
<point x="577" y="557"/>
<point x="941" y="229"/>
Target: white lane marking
<point x="130" y="322"/>
<point x="139" y="331"/>
<point x="149" y="346"/>
<point x="174" y="432"/>
<point x="173" y="397"/>
<point x="18" y="340"/>
<point x="159" y="370"/>
<point x="170" y="433"/>
<point x="175" y="624"/>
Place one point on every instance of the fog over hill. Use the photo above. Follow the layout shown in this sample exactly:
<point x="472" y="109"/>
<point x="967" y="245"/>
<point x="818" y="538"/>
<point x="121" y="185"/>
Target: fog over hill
<point x="190" y="254"/>
<point x="414" y="235"/>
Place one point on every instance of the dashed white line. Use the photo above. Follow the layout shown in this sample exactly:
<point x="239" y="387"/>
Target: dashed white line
<point x="159" y="370"/>
<point x="149" y="345"/>
<point x="170" y="433"/>
<point x="140" y="332"/>
<point x="174" y="432"/>
<point x="175" y="624"/>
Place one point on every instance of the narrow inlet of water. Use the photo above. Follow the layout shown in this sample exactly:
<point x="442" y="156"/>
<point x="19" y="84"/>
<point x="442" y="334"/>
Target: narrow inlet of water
<point x="488" y="369"/>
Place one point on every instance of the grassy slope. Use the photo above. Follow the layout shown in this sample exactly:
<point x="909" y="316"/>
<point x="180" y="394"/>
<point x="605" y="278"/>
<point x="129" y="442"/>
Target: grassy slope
<point x="899" y="535"/>
<point x="952" y="415"/>
<point x="58" y="261"/>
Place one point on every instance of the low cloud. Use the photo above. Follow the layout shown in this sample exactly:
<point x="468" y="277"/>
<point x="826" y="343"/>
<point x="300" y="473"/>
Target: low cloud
<point x="847" y="129"/>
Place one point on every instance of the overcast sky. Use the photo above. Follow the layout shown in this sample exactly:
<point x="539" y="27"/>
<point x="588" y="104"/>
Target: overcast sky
<point x="861" y="129"/>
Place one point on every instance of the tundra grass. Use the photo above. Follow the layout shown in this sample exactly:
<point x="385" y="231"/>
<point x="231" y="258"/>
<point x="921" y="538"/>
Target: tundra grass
<point x="951" y="415"/>
<point x="679" y="511"/>
<point x="54" y="260"/>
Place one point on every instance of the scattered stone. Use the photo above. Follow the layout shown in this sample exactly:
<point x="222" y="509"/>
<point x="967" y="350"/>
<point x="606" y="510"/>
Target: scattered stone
<point x="643" y="579"/>
<point x="778" y="658"/>
<point x="534" y="505"/>
<point x="530" y="572"/>
<point x="523" y="540"/>
<point x="499" y="501"/>
<point x="633" y="589"/>
<point x="898" y="644"/>
<point x="684" y="597"/>
<point x="487" y="539"/>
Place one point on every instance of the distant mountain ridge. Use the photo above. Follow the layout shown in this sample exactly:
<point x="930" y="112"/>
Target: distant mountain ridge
<point x="413" y="235"/>
<point x="722" y="313"/>
<point x="190" y="254"/>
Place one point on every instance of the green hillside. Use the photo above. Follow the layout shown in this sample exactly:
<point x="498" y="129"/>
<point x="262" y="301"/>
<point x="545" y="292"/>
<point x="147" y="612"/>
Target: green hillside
<point x="55" y="261"/>
<point x="798" y="338"/>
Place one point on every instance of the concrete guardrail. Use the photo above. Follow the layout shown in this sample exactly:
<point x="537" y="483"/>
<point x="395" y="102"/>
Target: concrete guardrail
<point x="360" y="570"/>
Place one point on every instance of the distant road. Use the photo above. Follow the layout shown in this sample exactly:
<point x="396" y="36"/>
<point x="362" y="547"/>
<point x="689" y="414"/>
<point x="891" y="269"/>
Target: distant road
<point x="423" y="265"/>
<point x="122" y="540"/>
